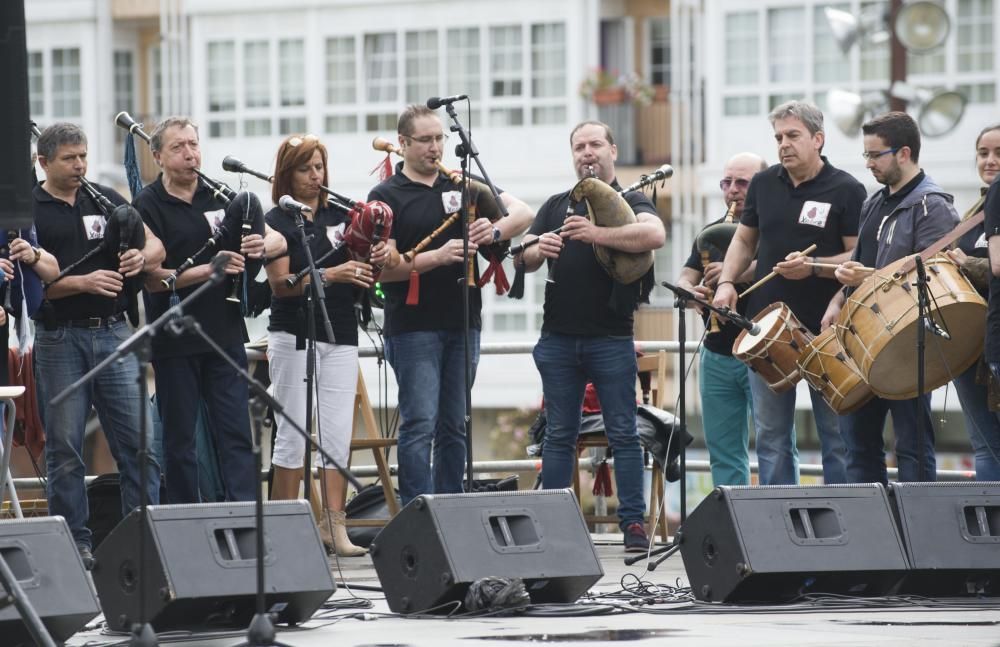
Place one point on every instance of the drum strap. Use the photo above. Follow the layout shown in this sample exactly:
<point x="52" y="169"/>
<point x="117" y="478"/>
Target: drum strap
<point x="946" y="240"/>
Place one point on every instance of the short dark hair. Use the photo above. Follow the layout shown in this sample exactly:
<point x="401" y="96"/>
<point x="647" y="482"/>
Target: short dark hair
<point x="410" y="114"/>
<point x="156" y="138"/>
<point x="593" y="122"/>
<point x="59" y="134"/>
<point x="896" y="129"/>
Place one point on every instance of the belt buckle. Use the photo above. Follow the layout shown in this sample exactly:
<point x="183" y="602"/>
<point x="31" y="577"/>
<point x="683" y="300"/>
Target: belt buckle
<point x="94" y="322"/>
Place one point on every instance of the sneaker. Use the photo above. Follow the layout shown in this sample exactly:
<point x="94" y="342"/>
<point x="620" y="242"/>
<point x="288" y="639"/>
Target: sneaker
<point x="636" y="540"/>
<point x="87" y="557"/>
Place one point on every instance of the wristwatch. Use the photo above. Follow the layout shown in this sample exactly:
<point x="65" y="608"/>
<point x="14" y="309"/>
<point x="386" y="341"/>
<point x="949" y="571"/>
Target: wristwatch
<point x="38" y="255"/>
<point x="496" y="234"/>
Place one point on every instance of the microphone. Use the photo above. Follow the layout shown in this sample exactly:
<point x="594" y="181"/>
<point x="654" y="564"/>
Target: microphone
<point x="233" y="165"/>
<point x="288" y="203"/>
<point x="436" y="102"/>
<point x="929" y="322"/>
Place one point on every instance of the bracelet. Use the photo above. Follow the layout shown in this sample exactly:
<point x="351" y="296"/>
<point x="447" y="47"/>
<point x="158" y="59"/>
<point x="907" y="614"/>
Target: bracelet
<point x="815" y="267"/>
<point x="722" y="283"/>
<point x="38" y="255"/>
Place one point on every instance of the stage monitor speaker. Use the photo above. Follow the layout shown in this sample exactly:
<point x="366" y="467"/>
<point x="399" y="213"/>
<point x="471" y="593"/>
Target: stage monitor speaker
<point x="15" y="162"/>
<point x="951" y="532"/>
<point x="42" y="555"/>
<point x="777" y="543"/>
<point x="438" y="545"/>
<point x="201" y="565"/>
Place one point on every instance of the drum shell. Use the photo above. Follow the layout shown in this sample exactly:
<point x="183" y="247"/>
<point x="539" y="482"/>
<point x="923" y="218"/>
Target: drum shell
<point x="878" y="327"/>
<point x="828" y="369"/>
<point x="774" y="356"/>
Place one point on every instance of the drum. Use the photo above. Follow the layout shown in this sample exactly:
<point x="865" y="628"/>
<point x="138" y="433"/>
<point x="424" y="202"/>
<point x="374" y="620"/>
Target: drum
<point x="773" y="351"/>
<point x="830" y="371"/>
<point x="878" y="327"/>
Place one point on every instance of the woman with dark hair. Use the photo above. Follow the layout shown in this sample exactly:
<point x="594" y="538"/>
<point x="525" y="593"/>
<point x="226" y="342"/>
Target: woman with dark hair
<point x="300" y="172"/>
<point x="982" y="419"/>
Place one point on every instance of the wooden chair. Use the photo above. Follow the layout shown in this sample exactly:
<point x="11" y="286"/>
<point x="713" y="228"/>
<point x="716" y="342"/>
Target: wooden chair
<point x="656" y="365"/>
<point x="377" y="444"/>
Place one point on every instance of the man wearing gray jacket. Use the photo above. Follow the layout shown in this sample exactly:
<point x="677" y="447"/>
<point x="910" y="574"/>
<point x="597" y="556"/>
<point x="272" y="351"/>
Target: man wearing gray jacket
<point x="905" y="217"/>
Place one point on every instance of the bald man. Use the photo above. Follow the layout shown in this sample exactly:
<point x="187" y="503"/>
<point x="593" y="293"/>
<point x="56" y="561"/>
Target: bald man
<point x="726" y="401"/>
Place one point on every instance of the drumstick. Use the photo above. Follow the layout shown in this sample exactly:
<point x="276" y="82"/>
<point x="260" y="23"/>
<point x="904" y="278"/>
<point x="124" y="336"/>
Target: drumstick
<point x="770" y="276"/>
<point x="834" y="266"/>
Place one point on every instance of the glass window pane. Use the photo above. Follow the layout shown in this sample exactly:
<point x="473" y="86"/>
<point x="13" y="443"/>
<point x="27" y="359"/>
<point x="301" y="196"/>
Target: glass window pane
<point x="36" y="86"/>
<point x="221" y="77"/>
<point x="505" y="61"/>
<point x="225" y="128"/>
<point x="381" y="73"/>
<point x="506" y="117"/>
<point x="548" y="60"/>
<point x="830" y="65"/>
<point x="66" y="82"/>
<point x="741" y="106"/>
<point x="742" y="46"/>
<point x="874" y="56"/>
<point x="290" y="125"/>
<point x="545" y="115"/>
<point x="292" y="73"/>
<point x="257" y="127"/>
<point x="342" y="124"/>
<point x="462" y="62"/>
<point x="380" y="123"/>
<point x="784" y="44"/>
<point x="421" y="65"/>
<point x="256" y="74"/>
<point x="341" y="75"/>
<point x="659" y="50"/>
<point x="974" y="42"/>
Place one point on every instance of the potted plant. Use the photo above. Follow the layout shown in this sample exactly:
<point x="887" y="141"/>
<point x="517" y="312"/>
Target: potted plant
<point x="606" y="88"/>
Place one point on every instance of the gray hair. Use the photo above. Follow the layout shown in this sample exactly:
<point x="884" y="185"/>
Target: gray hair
<point x="805" y="112"/>
<point x="156" y="138"/>
<point x="59" y="134"/>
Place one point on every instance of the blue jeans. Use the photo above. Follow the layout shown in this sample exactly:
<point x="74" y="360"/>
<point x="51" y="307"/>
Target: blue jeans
<point x="61" y="357"/>
<point x="566" y="363"/>
<point x="982" y="424"/>
<point x="430" y="372"/>
<point x="865" y="447"/>
<point x="726" y="409"/>
<point x="777" y="455"/>
<point x="181" y="382"/>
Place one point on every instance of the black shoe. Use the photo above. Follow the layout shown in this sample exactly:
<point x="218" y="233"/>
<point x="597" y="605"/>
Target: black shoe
<point x="636" y="540"/>
<point x="87" y="557"/>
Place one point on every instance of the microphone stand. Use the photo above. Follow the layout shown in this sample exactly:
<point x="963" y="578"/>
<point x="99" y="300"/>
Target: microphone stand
<point x="465" y="150"/>
<point x="924" y="321"/>
<point x="314" y="293"/>
<point x="139" y="344"/>
<point x="683" y="297"/>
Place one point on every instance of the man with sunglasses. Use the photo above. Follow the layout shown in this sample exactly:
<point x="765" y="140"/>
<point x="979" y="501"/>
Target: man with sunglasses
<point x="726" y="402"/>
<point x="905" y="217"/>
<point x="424" y="323"/>
<point x="797" y="203"/>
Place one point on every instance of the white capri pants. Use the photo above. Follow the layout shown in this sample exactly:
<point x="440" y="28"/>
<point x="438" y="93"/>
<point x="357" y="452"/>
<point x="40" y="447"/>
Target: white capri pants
<point x="337" y="378"/>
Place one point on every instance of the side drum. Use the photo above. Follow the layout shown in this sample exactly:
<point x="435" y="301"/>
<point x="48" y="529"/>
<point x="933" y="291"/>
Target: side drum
<point x="830" y="371"/>
<point x="878" y="327"/>
<point x="774" y="351"/>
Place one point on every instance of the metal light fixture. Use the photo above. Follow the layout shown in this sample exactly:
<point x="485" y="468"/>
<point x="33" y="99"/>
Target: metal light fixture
<point x="922" y="26"/>
<point x="847" y="110"/>
<point x="938" y="112"/>
<point x="847" y="29"/>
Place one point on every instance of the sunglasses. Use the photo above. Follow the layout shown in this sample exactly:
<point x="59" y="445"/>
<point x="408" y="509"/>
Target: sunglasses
<point x="297" y="141"/>
<point x="727" y="182"/>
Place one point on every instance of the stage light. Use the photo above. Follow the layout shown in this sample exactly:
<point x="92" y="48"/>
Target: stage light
<point x="922" y="26"/>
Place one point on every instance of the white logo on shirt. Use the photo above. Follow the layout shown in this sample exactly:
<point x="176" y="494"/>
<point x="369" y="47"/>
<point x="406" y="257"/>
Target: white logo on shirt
<point x="214" y="219"/>
<point x="981" y="241"/>
<point x="452" y="201"/>
<point x="336" y="234"/>
<point x="814" y="213"/>
<point x="94" y="226"/>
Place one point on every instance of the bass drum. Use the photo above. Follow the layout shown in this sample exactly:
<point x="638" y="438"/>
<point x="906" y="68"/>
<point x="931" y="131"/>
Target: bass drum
<point x="878" y="327"/>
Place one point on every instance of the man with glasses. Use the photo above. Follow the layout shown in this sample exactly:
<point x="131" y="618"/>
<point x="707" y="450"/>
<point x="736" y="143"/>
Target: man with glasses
<point x="424" y="323"/>
<point x="905" y="217"/>
<point x="801" y="201"/>
<point x="726" y="402"/>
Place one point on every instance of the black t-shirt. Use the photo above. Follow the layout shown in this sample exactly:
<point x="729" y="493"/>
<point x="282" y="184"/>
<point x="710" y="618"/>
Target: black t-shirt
<point x="579" y="301"/>
<point x="68" y="232"/>
<point x="722" y="341"/>
<point x="183" y="229"/>
<point x="822" y="210"/>
<point x="992" y="227"/>
<point x="288" y="314"/>
<point x="417" y="211"/>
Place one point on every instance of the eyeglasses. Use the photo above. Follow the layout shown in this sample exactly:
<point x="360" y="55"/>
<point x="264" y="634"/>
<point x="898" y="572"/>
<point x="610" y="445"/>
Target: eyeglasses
<point x="871" y="155"/>
<point x="297" y="141"/>
<point x="427" y="139"/>
<point x="727" y="182"/>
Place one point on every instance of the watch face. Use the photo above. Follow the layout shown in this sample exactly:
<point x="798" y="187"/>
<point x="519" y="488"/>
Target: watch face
<point x="496" y="234"/>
